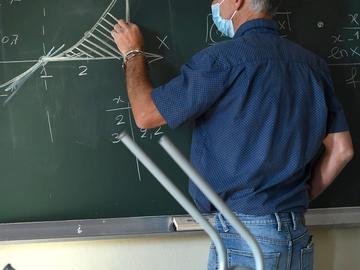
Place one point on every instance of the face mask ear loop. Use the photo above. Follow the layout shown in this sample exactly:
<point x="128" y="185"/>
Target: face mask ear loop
<point x="233" y="15"/>
<point x="221" y="2"/>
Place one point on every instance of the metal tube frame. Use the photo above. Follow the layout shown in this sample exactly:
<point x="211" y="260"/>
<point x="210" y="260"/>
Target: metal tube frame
<point x="188" y="206"/>
<point x="178" y="195"/>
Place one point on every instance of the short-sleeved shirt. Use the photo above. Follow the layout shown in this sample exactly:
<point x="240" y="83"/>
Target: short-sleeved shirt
<point x="261" y="106"/>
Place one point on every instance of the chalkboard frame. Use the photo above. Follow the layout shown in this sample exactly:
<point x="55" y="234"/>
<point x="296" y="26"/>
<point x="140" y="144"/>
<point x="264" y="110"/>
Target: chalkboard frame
<point x="119" y="228"/>
<point x="144" y="226"/>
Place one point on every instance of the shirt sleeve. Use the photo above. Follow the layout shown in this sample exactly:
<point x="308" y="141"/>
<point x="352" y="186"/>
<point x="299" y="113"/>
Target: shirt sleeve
<point x="336" y="120"/>
<point x="200" y="84"/>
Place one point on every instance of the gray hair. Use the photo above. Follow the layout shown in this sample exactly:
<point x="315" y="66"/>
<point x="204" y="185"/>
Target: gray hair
<point x="266" y="6"/>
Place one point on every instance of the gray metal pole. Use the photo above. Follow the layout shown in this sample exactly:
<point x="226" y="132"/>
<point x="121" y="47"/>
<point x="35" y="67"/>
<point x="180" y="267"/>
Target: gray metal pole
<point x="179" y="196"/>
<point x="214" y="198"/>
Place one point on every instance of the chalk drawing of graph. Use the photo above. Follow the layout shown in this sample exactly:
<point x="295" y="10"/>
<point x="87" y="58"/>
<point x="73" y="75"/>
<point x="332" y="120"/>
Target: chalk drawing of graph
<point x="96" y="44"/>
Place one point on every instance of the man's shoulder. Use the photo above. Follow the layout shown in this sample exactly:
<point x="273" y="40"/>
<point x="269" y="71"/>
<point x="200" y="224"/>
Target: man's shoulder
<point x="250" y="49"/>
<point x="275" y="48"/>
<point x="214" y="55"/>
<point x="221" y="53"/>
<point x="299" y="53"/>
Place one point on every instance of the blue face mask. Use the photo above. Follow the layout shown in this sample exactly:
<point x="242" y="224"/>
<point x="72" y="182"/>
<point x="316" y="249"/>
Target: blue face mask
<point x="225" y="26"/>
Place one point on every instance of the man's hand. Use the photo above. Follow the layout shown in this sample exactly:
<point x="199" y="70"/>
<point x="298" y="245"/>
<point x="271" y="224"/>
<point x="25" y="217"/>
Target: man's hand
<point x="338" y="152"/>
<point x="127" y="37"/>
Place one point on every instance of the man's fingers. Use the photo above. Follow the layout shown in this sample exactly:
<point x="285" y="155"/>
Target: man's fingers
<point x="127" y="36"/>
<point x="133" y="25"/>
<point x="118" y="28"/>
<point x="123" y="24"/>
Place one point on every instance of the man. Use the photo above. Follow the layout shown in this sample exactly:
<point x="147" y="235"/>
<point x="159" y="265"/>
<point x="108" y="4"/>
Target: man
<point x="262" y="109"/>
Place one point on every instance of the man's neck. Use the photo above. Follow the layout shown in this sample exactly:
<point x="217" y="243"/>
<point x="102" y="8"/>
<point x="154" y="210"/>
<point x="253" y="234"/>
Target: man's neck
<point x="241" y="18"/>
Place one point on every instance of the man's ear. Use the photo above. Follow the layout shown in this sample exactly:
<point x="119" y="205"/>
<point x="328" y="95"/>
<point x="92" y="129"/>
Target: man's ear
<point x="239" y="4"/>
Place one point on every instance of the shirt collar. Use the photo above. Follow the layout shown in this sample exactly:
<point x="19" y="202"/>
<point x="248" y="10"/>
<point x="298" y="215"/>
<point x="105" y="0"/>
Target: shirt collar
<point x="263" y="25"/>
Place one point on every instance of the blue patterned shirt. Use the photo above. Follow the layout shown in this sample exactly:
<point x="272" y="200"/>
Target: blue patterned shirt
<point x="261" y="107"/>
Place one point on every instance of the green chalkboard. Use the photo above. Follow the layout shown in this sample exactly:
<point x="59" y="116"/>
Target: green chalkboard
<point x="59" y="153"/>
<point x="60" y="157"/>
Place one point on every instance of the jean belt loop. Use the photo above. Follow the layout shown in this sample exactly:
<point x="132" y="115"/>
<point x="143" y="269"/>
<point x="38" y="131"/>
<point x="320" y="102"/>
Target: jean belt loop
<point x="278" y="220"/>
<point x="223" y="223"/>
<point x="303" y="219"/>
<point x="293" y="220"/>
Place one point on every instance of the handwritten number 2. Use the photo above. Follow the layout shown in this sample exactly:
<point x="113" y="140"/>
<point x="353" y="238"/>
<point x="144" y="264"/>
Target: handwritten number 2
<point x="83" y="70"/>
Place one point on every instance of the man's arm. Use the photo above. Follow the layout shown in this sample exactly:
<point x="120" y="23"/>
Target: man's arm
<point x="128" y="37"/>
<point x="139" y="92"/>
<point x="338" y="153"/>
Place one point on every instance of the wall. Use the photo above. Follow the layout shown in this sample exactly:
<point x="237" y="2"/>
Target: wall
<point x="336" y="249"/>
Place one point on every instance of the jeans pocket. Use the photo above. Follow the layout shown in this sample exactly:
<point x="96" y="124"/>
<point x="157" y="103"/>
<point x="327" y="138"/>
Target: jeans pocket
<point x="307" y="257"/>
<point x="246" y="259"/>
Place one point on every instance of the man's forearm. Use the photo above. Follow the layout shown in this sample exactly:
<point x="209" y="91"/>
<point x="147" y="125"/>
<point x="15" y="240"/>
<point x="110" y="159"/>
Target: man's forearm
<point x="139" y="87"/>
<point x="327" y="168"/>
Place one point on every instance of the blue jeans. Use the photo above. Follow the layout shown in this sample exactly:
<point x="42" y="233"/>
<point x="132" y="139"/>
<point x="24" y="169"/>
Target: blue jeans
<point x="283" y="237"/>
